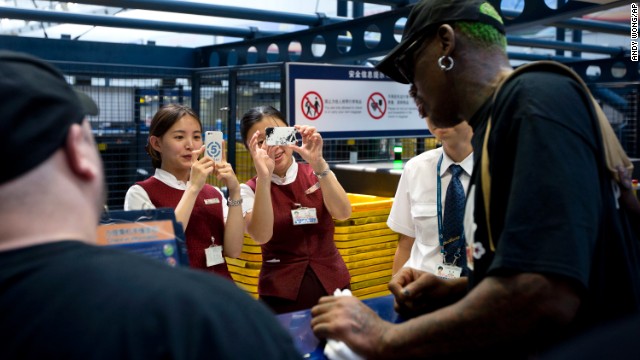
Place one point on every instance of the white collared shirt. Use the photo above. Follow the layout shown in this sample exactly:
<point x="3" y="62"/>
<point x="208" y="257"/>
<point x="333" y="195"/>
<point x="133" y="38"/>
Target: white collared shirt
<point x="248" y="196"/>
<point x="414" y="211"/>
<point x="137" y="198"/>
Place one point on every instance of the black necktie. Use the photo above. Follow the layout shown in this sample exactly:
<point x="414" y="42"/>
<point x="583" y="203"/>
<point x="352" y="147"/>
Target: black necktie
<point x="453" y="242"/>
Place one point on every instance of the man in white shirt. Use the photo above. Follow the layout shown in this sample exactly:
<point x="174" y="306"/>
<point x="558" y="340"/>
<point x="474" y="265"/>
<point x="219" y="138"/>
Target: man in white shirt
<point x="414" y="214"/>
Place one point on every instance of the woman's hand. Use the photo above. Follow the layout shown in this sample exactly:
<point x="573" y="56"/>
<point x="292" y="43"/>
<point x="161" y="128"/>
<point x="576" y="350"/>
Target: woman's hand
<point x="262" y="159"/>
<point x="200" y="169"/>
<point x="311" y="148"/>
<point x="224" y="172"/>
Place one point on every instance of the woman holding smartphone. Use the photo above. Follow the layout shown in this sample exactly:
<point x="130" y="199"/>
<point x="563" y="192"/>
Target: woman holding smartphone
<point x="289" y="209"/>
<point x="213" y="226"/>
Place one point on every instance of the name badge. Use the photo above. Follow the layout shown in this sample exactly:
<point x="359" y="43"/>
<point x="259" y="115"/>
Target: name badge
<point x="211" y="201"/>
<point x="448" y="271"/>
<point x="214" y="255"/>
<point x="303" y="216"/>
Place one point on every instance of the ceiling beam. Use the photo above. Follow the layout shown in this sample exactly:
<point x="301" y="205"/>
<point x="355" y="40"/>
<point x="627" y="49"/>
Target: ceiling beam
<point x="245" y="33"/>
<point x="538" y="13"/>
<point x="339" y="48"/>
<point x="117" y="22"/>
<point x="567" y="46"/>
<point x="537" y="57"/>
<point x="35" y="26"/>
<point x="394" y="3"/>
<point x="101" y="56"/>
<point x="224" y="11"/>
<point x="361" y="49"/>
<point x="594" y="26"/>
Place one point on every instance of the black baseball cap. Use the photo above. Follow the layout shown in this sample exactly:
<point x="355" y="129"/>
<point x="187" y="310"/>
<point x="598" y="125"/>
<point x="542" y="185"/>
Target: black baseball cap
<point x="425" y="16"/>
<point x="37" y="107"/>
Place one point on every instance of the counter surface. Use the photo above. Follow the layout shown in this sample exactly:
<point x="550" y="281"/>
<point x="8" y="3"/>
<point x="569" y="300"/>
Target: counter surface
<point x="298" y="325"/>
<point x="379" y="179"/>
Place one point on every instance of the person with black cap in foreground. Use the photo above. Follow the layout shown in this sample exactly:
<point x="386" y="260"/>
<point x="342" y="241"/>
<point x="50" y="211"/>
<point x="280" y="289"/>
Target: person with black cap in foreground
<point x="62" y="296"/>
<point x="558" y="257"/>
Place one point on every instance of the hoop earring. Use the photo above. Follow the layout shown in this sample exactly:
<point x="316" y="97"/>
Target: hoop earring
<point x="441" y="64"/>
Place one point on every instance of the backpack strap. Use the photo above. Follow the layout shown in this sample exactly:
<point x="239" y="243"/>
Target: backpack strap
<point x="613" y="151"/>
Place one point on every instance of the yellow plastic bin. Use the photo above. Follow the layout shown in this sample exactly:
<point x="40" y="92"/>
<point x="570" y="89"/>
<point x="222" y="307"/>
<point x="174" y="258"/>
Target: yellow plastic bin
<point x="367" y="245"/>
<point x="365" y="242"/>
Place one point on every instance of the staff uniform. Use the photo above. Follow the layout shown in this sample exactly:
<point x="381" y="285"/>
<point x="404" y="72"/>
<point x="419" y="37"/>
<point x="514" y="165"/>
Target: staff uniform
<point x="414" y="210"/>
<point x="298" y="251"/>
<point x="206" y="223"/>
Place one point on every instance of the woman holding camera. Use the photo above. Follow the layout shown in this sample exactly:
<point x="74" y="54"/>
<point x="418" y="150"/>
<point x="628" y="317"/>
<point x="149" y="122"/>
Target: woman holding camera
<point x="289" y="209"/>
<point x="213" y="226"/>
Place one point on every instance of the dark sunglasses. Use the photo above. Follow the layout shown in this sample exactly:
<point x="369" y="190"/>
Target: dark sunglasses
<point x="404" y="62"/>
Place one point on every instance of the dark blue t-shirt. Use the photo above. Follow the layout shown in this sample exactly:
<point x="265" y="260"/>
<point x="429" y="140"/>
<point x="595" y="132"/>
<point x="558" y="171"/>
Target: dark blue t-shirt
<point x="70" y="300"/>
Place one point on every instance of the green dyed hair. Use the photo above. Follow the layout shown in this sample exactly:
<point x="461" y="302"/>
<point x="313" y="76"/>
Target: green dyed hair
<point x="484" y="34"/>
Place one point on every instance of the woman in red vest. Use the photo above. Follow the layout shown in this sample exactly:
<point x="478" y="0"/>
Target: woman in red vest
<point x="213" y="226"/>
<point x="288" y="209"/>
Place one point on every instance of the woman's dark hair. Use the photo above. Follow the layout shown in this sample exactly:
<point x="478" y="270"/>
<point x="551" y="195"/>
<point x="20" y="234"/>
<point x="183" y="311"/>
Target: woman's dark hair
<point x="255" y="115"/>
<point x="162" y="121"/>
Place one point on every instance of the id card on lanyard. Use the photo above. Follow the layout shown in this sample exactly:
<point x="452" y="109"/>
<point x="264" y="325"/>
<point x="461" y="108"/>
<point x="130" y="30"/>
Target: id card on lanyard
<point x="213" y="254"/>
<point x="304" y="215"/>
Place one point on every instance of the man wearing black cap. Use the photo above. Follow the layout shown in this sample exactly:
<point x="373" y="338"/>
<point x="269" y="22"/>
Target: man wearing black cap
<point x="558" y="257"/>
<point x="63" y="297"/>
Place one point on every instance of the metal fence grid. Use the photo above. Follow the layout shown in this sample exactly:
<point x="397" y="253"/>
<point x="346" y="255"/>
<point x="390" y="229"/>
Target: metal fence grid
<point x="129" y="96"/>
<point x="620" y="103"/>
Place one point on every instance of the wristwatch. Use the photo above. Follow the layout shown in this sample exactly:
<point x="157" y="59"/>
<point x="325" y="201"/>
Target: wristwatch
<point x="234" y="202"/>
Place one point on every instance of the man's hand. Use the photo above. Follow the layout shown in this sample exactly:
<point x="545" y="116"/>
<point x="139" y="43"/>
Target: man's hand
<point x="347" y="319"/>
<point x="417" y="292"/>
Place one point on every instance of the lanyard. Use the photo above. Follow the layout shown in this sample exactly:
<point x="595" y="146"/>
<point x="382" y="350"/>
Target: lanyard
<point x="439" y="205"/>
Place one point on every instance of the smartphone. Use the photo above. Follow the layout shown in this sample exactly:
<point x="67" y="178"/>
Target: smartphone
<point x="277" y="136"/>
<point x="213" y="145"/>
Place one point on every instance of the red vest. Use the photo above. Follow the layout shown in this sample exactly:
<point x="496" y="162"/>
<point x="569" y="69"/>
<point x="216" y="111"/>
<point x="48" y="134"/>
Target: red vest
<point x="299" y="246"/>
<point x="206" y="221"/>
